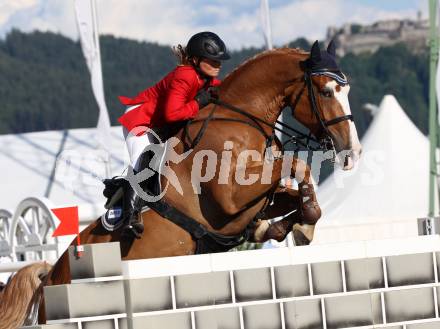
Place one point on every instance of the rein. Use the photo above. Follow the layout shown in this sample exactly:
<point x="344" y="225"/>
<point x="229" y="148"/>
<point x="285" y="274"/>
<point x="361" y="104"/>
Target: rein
<point x="297" y="137"/>
<point x="256" y="123"/>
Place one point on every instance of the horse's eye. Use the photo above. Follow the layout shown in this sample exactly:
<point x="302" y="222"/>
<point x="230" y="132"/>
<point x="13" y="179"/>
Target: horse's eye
<point x="327" y="93"/>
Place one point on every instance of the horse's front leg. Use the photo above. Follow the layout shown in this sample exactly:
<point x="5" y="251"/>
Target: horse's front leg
<point x="309" y="207"/>
<point x="285" y="201"/>
<point x="309" y="210"/>
<point x="301" y="203"/>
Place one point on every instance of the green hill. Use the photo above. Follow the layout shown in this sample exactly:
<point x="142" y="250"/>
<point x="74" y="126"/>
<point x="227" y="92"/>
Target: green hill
<point x="44" y="83"/>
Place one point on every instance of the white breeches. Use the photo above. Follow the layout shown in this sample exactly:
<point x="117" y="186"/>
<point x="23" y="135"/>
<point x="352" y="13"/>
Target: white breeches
<point x="136" y="145"/>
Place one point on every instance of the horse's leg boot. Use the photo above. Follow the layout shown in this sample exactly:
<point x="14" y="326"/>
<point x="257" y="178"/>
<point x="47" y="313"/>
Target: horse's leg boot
<point x="131" y="212"/>
<point x="303" y="234"/>
<point x="309" y="206"/>
<point x="279" y="230"/>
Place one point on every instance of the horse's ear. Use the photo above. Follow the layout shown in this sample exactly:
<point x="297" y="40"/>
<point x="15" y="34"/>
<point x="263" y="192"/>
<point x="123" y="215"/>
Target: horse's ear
<point x="315" y="52"/>
<point x="331" y="49"/>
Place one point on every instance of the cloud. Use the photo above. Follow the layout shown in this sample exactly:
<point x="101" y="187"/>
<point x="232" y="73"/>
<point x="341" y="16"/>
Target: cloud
<point x="42" y="15"/>
<point x="8" y="8"/>
<point x="174" y="21"/>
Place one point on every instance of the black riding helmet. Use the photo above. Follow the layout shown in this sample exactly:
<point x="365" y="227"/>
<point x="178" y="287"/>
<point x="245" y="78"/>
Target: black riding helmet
<point x="208" y="45"/>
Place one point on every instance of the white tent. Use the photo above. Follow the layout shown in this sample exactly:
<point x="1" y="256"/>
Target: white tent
<point x="64" y="166"/>
<point x="387" y="191"/>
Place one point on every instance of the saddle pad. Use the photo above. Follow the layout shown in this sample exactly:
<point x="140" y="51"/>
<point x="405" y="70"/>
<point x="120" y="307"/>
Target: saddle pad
<point x="112" y="219"/>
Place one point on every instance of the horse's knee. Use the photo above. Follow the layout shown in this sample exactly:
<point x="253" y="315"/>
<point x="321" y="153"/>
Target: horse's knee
<point x="311" y="214"/>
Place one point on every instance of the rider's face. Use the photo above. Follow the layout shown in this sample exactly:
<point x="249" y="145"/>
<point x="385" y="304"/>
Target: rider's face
<point x="210" y="67"/>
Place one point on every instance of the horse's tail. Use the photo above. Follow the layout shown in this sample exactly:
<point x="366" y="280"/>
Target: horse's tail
<point x="19" y="295"/>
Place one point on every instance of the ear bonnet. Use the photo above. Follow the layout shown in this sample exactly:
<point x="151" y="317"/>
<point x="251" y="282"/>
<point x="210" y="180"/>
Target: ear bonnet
<point x="324" y="63"/>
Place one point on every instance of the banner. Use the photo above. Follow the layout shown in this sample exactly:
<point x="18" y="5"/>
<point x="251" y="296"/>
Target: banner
<point x="265" y="22"/>
<point x="86" y="19"/>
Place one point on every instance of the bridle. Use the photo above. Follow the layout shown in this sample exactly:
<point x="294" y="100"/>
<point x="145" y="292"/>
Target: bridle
<point x="341" y="81"/>
<point x="326" y="142"/>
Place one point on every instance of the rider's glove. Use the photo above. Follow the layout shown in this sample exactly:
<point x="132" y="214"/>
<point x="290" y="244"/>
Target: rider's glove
<point x="214" y="91"/>
<point x="205" y="96"/>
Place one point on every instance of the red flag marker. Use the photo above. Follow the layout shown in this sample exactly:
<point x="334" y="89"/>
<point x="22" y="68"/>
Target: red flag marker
<point x="69" y="219"/>
<point x="69" y="224"/>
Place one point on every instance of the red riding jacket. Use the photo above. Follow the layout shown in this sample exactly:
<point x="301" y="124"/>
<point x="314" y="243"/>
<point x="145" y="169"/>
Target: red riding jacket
<point x="169" y="100"/>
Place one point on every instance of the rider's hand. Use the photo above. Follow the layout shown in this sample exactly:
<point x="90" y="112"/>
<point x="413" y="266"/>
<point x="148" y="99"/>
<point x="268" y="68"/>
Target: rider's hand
<point x="203" y="98"/>
<point x="214" y="92"/>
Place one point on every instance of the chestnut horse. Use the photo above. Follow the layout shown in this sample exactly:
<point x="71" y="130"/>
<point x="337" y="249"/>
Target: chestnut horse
<point x="260" y="88"/>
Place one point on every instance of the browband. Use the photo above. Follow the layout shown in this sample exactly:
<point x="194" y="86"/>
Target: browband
<point x="338" y="76"/>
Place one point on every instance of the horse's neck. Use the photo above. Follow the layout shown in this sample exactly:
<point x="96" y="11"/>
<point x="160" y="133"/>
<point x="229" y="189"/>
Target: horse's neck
<point x="259" y="88"/>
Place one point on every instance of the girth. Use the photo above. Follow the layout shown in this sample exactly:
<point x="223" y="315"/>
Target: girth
<point x="206" y="241"/>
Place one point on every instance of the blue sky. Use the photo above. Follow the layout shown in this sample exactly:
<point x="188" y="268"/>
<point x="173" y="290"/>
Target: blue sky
<point x="393" y="4"/>
<point x="174" y="21"/>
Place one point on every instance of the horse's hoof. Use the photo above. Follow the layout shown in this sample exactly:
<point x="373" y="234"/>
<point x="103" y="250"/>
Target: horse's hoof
<point x="260" y="231"/>
<point x="303" y="234"/>
<point x="300" y="239"/>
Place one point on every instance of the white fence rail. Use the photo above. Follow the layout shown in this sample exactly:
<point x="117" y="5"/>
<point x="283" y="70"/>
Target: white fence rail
<point x="26" y="233"/>
<point x="366" y="284"/>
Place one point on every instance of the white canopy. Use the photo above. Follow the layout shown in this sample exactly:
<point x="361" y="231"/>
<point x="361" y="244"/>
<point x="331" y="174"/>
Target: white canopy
<point x="387" y="191"/>
<point x="29" y="166"/>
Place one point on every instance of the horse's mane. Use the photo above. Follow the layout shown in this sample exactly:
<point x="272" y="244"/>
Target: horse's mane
<point x="263" y="54"/>
<point x="16" y="296"/>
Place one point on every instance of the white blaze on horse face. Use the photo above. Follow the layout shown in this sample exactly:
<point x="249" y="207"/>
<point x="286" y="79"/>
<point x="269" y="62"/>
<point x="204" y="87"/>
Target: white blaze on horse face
<point x="341" y="95"/>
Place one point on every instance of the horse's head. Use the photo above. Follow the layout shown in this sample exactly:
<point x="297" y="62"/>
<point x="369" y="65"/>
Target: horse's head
<point x="323" y="107"/>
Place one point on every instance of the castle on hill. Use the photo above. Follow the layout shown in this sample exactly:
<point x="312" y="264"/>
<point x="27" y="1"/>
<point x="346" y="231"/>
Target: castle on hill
<point x="356" y="38"/>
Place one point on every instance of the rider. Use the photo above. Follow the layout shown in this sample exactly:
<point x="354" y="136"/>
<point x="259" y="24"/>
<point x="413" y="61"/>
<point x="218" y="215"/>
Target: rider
<point x="177" y="97"/>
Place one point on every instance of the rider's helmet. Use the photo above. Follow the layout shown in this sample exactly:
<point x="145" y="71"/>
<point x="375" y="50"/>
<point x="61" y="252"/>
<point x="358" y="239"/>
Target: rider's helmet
<point x="208" y="45"/>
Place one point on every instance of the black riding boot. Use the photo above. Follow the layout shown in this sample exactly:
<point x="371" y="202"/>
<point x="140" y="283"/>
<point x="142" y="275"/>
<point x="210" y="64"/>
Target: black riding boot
<point x="131" y="210"/>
